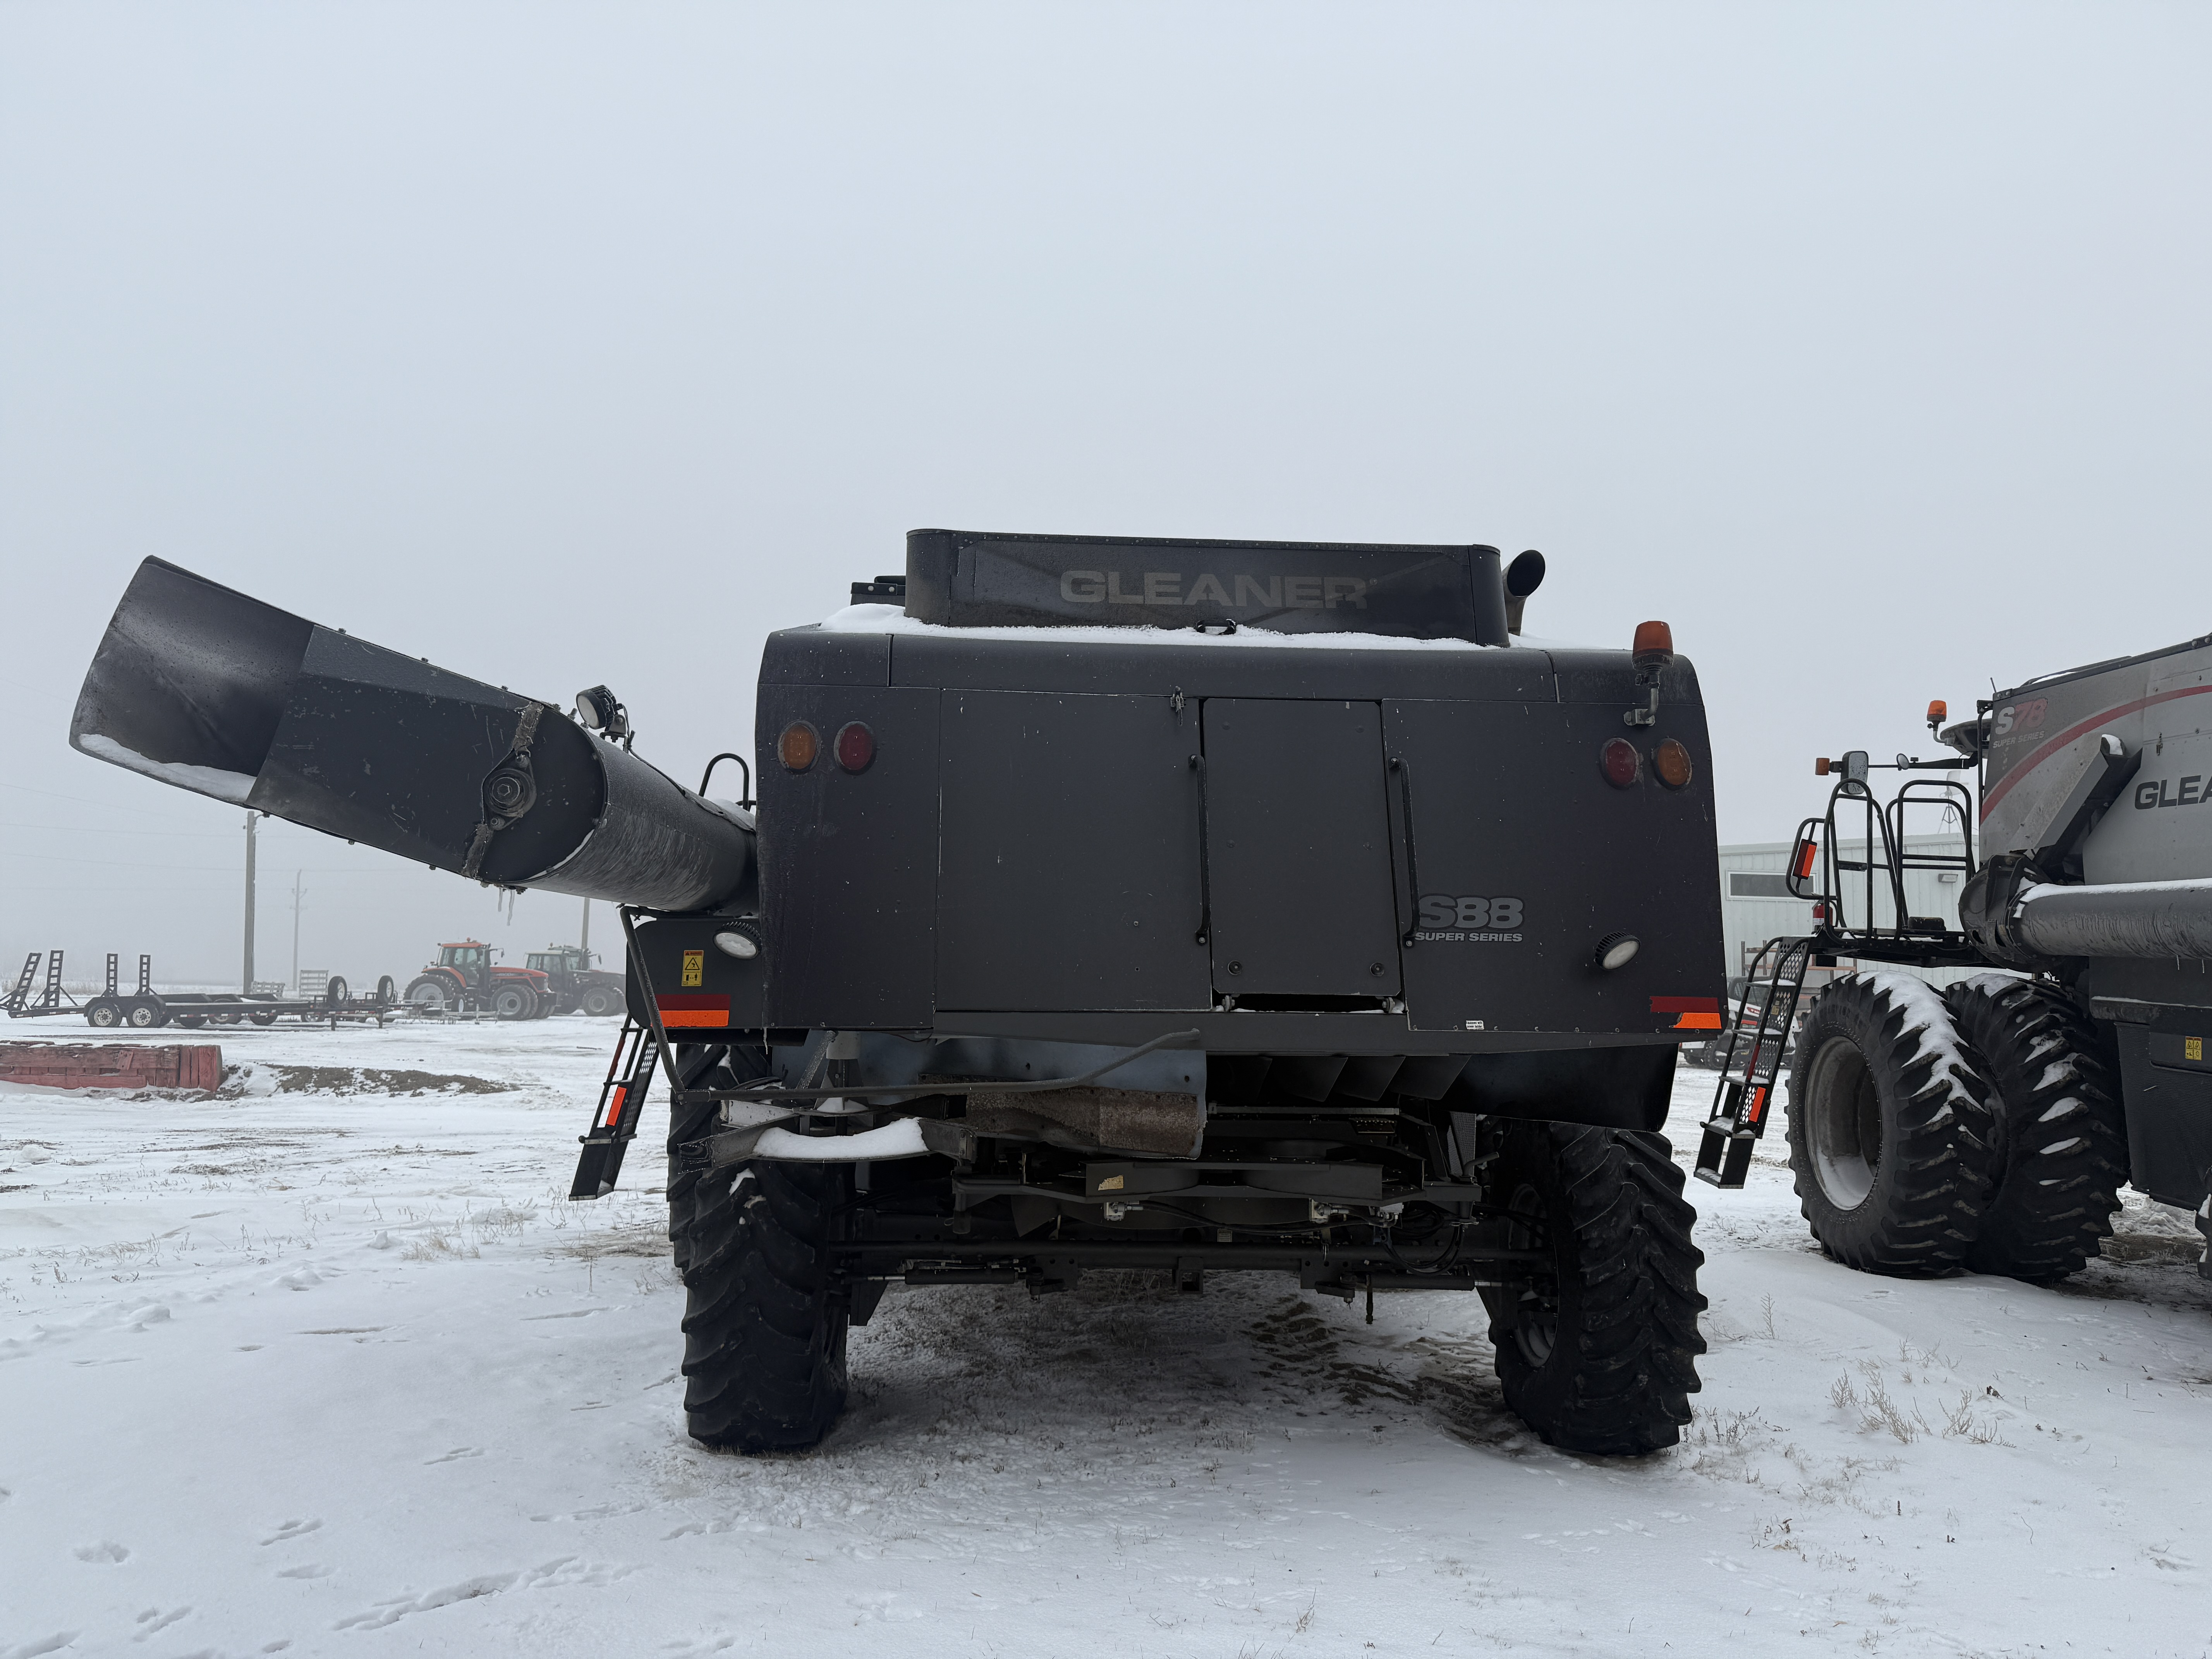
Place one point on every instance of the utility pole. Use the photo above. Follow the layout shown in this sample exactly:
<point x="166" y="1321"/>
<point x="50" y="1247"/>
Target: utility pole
<point x="586" y="941"/>
<point x="298" y="893"/>
<point x="247" y="988"/>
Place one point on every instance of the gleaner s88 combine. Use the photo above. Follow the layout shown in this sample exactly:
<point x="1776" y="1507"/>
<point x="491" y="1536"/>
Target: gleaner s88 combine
<point x="1179" y="905"/>
<point x="1990" y="1127"/>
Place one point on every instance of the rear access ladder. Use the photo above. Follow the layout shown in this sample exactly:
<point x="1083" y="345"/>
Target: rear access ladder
<point x="1754" y="1062"/>
<point x="622" y="1098"/>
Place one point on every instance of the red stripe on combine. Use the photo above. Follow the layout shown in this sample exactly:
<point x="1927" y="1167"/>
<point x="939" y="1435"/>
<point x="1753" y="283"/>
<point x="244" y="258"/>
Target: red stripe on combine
<point x="1686" y="1005"/>
<point x="2053" y="745"/>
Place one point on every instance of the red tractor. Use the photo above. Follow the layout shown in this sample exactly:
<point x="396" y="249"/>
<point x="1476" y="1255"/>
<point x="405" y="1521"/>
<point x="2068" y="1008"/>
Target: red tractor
<point x="464" y="980"/>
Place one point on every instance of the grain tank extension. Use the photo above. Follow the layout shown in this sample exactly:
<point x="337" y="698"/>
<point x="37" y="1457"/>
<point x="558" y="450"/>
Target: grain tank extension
<point x="1193" y="906"/>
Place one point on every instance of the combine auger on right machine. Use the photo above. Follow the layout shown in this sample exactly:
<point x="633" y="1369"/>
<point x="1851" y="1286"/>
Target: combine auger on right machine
<point x="1989" y="1124"/>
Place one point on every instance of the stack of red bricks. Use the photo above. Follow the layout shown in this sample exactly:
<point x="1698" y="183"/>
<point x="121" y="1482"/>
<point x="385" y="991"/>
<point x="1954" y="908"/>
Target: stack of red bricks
<point x="112" y="1065"/>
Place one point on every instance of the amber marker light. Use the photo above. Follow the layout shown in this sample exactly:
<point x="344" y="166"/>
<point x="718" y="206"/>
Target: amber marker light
<point x="1653" y="647"/>
<point x="797" y="746"/>
<point x="1620" y="764"/>
<point x="1672" y="763"/>
<point x="855" y="746"/>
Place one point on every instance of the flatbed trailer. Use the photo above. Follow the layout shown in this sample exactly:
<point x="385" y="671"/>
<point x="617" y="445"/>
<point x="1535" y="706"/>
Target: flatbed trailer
<point x="146" y="1009"/>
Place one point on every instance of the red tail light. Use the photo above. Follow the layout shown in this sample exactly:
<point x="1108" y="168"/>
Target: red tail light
<point x="855" y="746"/>
<point x="1620" y="762"/>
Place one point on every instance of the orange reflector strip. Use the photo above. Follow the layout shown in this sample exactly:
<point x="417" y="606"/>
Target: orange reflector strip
<point x="1757" y="1106"/>
<point x="1698" y="1022"/>
<point x="1806" y="854"/>
<point x="615" y="1104"/>
<point x="693" y="1010"/>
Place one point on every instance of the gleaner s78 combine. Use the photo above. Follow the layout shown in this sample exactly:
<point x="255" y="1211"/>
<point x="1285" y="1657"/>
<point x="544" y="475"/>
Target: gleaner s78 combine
<point x="1990" y="1127"/>
<point x="1185" y="906"/>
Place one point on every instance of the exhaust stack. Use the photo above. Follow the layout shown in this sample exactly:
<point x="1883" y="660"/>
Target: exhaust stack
<point x="209" y="690"/>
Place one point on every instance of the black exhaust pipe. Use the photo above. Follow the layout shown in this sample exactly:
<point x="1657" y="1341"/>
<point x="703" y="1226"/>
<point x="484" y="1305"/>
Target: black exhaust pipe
<point x="212" y="691"/>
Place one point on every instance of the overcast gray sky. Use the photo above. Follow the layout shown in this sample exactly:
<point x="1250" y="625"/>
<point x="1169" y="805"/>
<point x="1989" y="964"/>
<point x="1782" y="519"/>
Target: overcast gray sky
<point x="1866" y="344"/>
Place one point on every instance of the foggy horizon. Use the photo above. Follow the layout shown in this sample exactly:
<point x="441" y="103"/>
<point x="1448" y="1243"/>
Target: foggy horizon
<point x="1866" y="348"/>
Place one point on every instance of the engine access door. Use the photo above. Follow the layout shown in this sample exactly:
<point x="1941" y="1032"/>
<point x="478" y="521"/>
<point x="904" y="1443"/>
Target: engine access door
<point x="1300" y="897"/>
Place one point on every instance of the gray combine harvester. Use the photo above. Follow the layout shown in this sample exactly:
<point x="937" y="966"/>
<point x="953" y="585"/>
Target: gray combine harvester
<point x="1990" y="1126"/>
<point x="1187" y="906"/>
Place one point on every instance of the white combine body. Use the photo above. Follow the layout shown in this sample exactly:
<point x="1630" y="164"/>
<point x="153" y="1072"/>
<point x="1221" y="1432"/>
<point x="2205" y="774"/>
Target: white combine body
<point x="1990" y="1128"/>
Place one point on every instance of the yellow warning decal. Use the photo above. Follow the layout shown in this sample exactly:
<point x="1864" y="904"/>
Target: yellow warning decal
<point x="1110" y="1184"/>
<point x="695" y="968"/>
<point x="2192" y="1047"/>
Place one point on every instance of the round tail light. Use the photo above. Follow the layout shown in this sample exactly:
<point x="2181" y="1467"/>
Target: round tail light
<point x="797" y="746"/>
<point x="1672" y="763"/>
<point x="855" y="746"/>
<point x="1621" y="763"/>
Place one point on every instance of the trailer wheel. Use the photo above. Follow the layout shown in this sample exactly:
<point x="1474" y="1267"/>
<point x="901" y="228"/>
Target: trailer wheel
<point x="336" y="990"/>
<point x="2063" y="1141"/>
<point x="1891" y="1133"/>
<point x="264" y="1017"/>
<point x="192" y="1022"/>
<point x="386" y="992"/>
<point x="145" y="1012"/>
<point x="764" y="1324"/>
<point x="1598" y="1351"/>
<point x="105" y="1013"/>
<point x="599" y="1001"/>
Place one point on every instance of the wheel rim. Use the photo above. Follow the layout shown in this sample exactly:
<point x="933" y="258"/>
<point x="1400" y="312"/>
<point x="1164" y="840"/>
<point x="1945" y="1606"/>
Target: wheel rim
<point x="426" y="996"/>
<point x="1537" y="1320"/>
<point x="103" y="1017"/>
<point x="1843" y="1126"/>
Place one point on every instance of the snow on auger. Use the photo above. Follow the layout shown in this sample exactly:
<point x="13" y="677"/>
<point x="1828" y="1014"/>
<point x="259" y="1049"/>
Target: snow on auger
<point x="1990" y="1126"/>
<point x="1179" y="905"/>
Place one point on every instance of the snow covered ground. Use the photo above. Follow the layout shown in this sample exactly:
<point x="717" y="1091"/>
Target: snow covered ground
<point x="341" y="1372"/>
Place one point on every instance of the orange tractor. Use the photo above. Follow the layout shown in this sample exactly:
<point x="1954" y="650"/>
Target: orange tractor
<point x="464" y="979"/>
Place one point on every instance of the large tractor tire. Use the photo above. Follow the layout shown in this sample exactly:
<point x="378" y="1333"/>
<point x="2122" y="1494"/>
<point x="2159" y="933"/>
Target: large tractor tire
<point x="763" y="1324"/>
<point x="601" y="1001"/>
<point x="1891" y="1133"/>
<point x="1598" y="1352"/>
<point x="433" y="993"/>
<point x="2062" y="1140"/>
<point x="514" y="1002"/>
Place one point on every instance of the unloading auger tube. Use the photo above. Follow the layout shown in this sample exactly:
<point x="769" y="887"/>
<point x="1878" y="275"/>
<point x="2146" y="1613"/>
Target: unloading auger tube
<point x="209" y="690"/>
<point x="2142" y="919"/>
